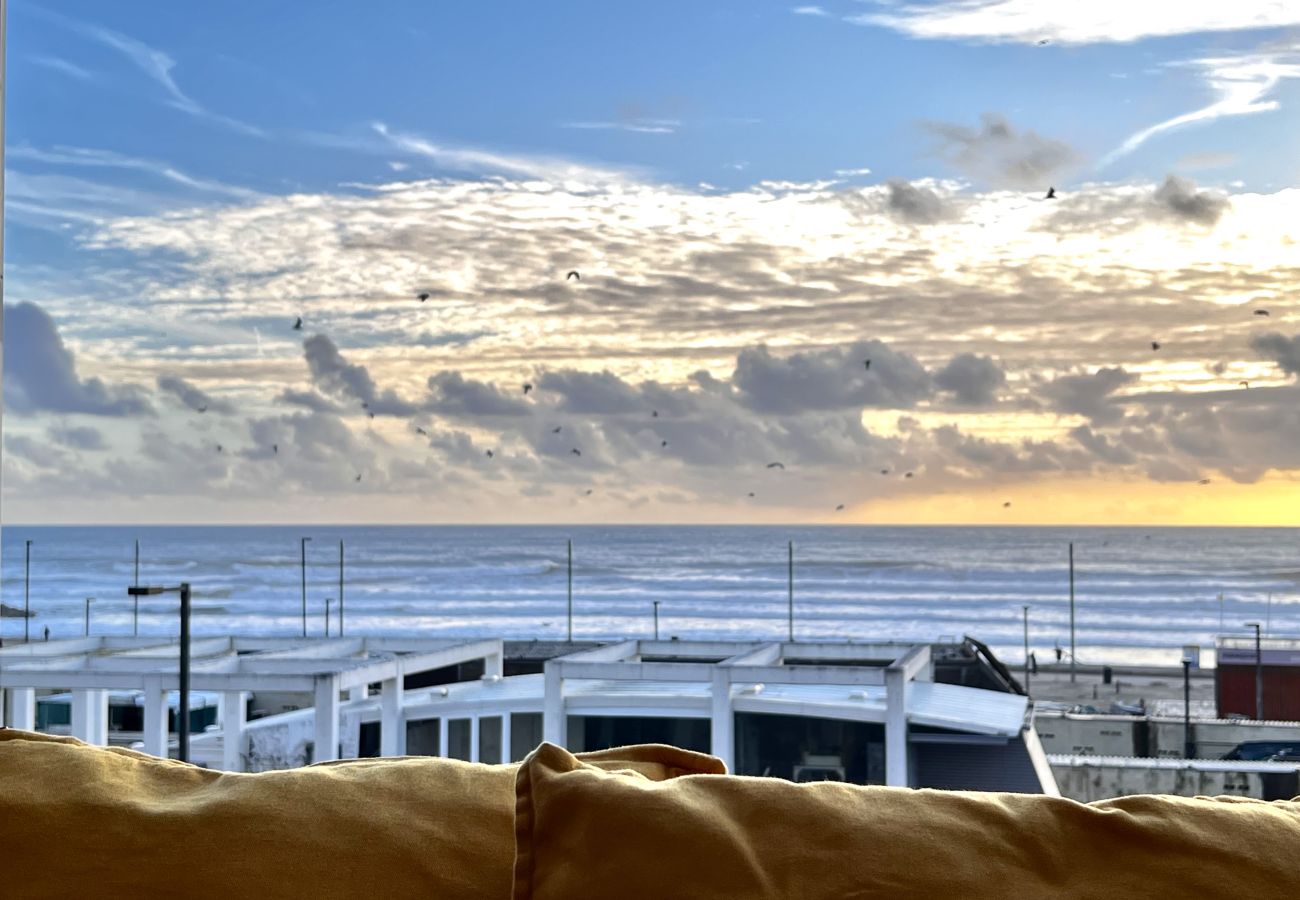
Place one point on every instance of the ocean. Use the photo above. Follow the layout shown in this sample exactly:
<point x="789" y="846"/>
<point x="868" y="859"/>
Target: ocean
<point x="1141" y="593"/>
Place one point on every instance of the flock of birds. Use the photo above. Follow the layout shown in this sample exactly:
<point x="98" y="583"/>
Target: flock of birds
<point x="528" y="387"/>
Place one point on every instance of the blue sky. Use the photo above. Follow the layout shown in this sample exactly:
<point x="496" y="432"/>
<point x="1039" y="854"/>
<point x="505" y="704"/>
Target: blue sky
<point x="755" y="193"/>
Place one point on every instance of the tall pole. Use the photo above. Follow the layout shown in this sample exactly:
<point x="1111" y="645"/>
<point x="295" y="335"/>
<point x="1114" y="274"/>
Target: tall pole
<point x="135" y="612"/>
<point x="1259" y="674"/>
<point x="328" y="601"/>
<point x="303" y="569"/>
<point x="789" y="589"/>
<point x="570" y="589"/>
<point x="656" y="620"/>
<point x="1024" y="610"/>
<point x="27" y="589"/>
<point x="1188" y="750"/>
<point x="1073" y="655"/>
<point x="89" y="600"/>
<point x="1220" y="612"/>
<point x="183" y="714"/>
<point x="340" y="587"/>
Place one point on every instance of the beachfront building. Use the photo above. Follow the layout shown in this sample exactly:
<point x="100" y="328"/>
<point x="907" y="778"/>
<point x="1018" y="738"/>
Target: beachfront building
<point x="944" y="716"/>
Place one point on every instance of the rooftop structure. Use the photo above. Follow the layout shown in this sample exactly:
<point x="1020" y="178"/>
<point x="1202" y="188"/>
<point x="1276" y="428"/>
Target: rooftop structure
<point x="869" y="713"/>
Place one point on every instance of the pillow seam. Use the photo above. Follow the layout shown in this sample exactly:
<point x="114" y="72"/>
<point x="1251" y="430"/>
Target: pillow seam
<point x="525" y="859"/>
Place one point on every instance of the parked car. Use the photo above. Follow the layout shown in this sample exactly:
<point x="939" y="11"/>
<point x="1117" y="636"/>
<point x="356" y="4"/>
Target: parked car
<point x="1256" y="751"/>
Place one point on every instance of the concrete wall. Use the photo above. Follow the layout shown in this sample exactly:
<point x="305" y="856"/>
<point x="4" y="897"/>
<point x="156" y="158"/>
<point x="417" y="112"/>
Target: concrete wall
<point x="284" y="742"/>
<point x="1102" y="780"/>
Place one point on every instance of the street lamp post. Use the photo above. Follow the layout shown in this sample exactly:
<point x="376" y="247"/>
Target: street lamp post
<point x="27" y="593"/>
<point x="1259" y="673"/>
<point x="328" y="601"/>
<point x="183" y="714"/>
<point x="789" y="591"/>
<point x="656" y="620"/>
<point x="89" y="600"/>
<point x="303" y="569"/>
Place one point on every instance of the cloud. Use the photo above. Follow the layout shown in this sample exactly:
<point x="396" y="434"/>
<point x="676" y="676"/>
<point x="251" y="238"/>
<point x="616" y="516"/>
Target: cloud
<point x="82" y="156"/>
<point x="77" y="437"/>
<point x="41" y="372"/>
<point x="972" y="380"/>
<point x="62" y="66"/>
<point x="468" y="159"/>
<point x="191" y="396"/>
<point x="830" y="379"/>
<point x="1179" y="198"/>
<point x="918" y="205"/>
<point x="1241" y="83"/>
<point x="1089" y="394"/>
<point x="637" y="125"/>
<point x="1283" y="350"/>
<point x="335" y="375"/>
<point x="1000" y="155"/>
<point x="809" y="11"/>
<point x="452" y="394"/>
<point x="309" y="400"/>
<point x="1069" y="22"/>
<point x="154" y="63"/>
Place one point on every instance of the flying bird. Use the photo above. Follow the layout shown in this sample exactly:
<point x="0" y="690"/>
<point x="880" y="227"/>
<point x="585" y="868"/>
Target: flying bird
<point x="1051" y="194"/>
<point x="370" y="414"/>
<point x="908" y="475"/>
<point x="1204" y="481"/>
<point x="840" y="508"/>
<point x="297" y="326"/>
<point x="1006" y="504"/>
<point x="776" y="465"/>
<point x="358" y="476"/>
<point x="556" y="429"/>
<point x="588" y="492"/>
<point x="663" y="443"/>
<point x="576" y="452"/>
<point x="220" y="448"/>
<point x="654" y="413"/>
<point x="419" y="430"/>
<point x="1043" y="42"/>
<point x="866" y="364"/>
<point x="751" y="493"/>
<point x="203" y="409"/>
<point x="527" y="388"/>
<point x="1155" y="345"/>
<point x="884" y="471"/>
<point x="275" y="448"/>
<point x="423" y="295"/>
<point x="573" y="276"/>
<point x="490" y="454"/>
<point x="1261" y="312"/>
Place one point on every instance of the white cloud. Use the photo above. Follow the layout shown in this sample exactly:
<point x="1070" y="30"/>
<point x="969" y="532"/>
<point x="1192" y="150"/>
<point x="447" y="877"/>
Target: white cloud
<point x="154" y="63"/>
<point x="809" y="11"/>
<point x="1076" y="22"/>
<point x="640" y="126"/>
<point x="62" y="66"/>
<point x="87" y="157"/>
<point x="1242" y="85"/>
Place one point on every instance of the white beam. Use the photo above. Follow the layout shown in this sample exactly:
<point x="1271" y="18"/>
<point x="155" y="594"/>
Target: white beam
<point x="327" y="718"/>
<point x="21" y="713"/>
<point x="766" y="655"/>
<point x="722" y="721"/>
<point x="855" y="675"/>
<point x="635" y="671"/>
<point x="914" y="663"/>
<point x="474" y="722"/>
<point x="90" y="716"/>
<point x="234" y="716"/>
<point x="155" y="717"/>
<point x="609" y="653"/>
<point x="505" y="736"/>
<point x="392" y="732"/>
<point x="553" y="729"/>
<point x="896" y="687"/>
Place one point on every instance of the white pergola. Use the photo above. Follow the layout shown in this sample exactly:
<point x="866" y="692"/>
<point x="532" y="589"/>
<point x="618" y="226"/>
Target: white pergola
<point x="735" y="676"/>
<point x="231" y="667"/>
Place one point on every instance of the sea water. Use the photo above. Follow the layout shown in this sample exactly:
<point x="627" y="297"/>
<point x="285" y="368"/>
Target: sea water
<point x="1140" y="593"/>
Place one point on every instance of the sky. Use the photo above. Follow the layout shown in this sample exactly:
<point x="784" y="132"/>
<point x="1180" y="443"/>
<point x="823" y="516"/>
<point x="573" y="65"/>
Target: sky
<point x="819" y="276"/>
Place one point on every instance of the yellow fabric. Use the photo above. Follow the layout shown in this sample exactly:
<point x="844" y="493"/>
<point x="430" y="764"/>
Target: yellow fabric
<point x="90" y="822"/>
<point x="585" y="833"/>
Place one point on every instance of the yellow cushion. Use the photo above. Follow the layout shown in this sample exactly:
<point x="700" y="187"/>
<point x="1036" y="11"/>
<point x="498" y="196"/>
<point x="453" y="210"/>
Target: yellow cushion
<point x="83" y="821"/>
<point x="583" y="832"/>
